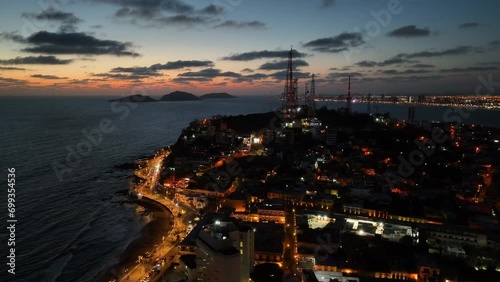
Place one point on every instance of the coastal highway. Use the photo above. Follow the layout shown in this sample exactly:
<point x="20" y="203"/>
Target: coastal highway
<point x="169" y="248"/>
<point x="150" y="174"/>
<point x="290" y="243"/>
<point x="179" y="228"/>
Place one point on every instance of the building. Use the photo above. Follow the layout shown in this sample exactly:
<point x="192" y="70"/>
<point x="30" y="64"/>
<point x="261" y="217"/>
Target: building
<point x="188" y="265"/>
<point x="192" y="200"/>
<point x="237" y="201"/>
<point x="331" y="137"/>
<point x="327" y="276"/>
<point x="428" y="269"/>
<point x="411" y="114"/>
<point x="216" y="258"/>
<point x="272" y="210"/>
<point x="224" y="252"/>
<point x="456" y="236"/>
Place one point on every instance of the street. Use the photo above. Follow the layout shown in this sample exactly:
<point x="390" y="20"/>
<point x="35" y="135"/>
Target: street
<point x="162" y="256"/>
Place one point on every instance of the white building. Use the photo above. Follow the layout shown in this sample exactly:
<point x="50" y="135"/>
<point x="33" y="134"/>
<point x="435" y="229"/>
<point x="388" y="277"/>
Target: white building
<point x="225" y="253"/>
<point x="327" y="276"/>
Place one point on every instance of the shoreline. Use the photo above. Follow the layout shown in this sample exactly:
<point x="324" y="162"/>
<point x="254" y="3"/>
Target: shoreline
<point x="150" y="235"/>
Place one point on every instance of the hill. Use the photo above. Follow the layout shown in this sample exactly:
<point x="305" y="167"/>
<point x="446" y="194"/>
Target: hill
<point x="138" y="98"/>
<point x="217" y="95"/>
<point x="179" y="96"/>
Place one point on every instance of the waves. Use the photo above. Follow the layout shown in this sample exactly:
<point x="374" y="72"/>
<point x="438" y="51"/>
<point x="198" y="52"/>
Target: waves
<point x="74" y="229"/>
<point x="66" y="254"/>
<point x="55" y="269"/>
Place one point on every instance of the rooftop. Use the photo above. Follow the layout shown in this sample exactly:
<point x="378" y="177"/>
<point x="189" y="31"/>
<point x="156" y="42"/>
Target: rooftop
<point x="189" y="261"/>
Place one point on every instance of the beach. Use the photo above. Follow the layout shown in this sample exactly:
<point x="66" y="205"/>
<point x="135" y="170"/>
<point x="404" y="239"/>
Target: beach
<point x="151" y="234"/>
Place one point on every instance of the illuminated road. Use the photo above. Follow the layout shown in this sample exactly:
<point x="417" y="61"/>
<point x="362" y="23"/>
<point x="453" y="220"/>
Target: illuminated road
<point x="150" y="175"/>
<point x="290" y="243"/>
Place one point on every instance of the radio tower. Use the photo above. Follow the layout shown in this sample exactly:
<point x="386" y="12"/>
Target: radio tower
<point x="312" y="97"/>
<point x="306" y="94"/>
<point x="290" y="91"/>
<point x="369" y="110"/>
<point x="348" y="101"/>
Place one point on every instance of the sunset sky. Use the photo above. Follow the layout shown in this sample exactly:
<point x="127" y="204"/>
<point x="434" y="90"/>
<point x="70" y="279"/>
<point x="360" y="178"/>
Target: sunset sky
<point x="118" y="47"/>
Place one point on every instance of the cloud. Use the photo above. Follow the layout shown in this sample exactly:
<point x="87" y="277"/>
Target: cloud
<point x="181" y="20"/>
<point x="7" y="82"/>
<point x="149" y="7"/>
<point x="493" y="63"/>
<point x="250" y="78"/>
<point x="342" y="69"/>
<point x="338" y="75"/>
<point x="158" y="13"/>
<point x="67" y="28"/>
<point x="187" y="80"/>
<point x="281" y="75"/>
<point x="469" y="69"/>
<point x="392" y="61"/>
<point x="494" y="44"/>
<point x="35" y="60"/>
<point x="409" y="31"/>
<point x="327" y="3"/>
<point x="136" y="71"/>
<point x="175" y="6"/>
<point x="239" y="25"/>
<point x="461" y="50"/>
<point x="52" y="14"/>
<point x="210" y="73"/>
<point x="173" y="65"/>
<point x="247" y="70"/>
<point x="366" y="64"/>
<point x="122" y="76"/>
<point x="279" y="65"/>
<point x="408" y="71"/>
<point x="265" y="54"/>
<point x="391" y="79"/>
<point x="13" y="36"/>
<point x="412" y="78"/>
<point x="392" y="71"/>
<point x="213" y="10"/>
<point x="151" y="71"/>
<point x="68" y="20"/>
<point x="468" y="25"/>
<point x="336" y="44"/>
<point x="45" y="42"/>
<point x="406" y="57"/>
<point x="79" y="81"/>
<point x="422" y="66"/>
<point x="105" y="85"/>
<point x="256" y="76"/>
<point x="11" y="68"/>
<point x="44" y="76"/>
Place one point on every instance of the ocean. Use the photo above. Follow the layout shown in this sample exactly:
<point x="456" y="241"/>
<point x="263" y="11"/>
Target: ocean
<point x="71" y="224"/>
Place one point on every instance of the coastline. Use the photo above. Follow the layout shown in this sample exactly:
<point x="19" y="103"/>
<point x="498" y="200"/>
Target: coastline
<point x="151" y="234"/>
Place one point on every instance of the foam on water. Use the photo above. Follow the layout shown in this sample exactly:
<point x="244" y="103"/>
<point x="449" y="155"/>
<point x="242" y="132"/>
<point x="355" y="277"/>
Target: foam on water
<point x="67" y="225"/>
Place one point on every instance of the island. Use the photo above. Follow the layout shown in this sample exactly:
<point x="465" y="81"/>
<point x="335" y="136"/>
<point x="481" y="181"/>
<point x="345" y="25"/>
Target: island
<point x="219" y="95"/>
<point x="137" y="98"/>
<point x="179" y="96"/>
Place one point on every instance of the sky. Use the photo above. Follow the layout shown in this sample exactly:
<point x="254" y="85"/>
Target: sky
<point x="153" y="47"/>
